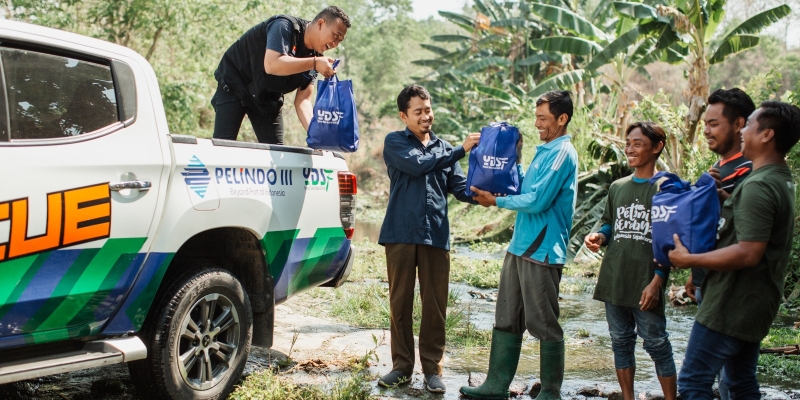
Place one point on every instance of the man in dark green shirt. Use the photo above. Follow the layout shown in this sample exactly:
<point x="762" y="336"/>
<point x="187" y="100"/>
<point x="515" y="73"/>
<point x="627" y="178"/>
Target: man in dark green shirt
<point x="754" y="240"/>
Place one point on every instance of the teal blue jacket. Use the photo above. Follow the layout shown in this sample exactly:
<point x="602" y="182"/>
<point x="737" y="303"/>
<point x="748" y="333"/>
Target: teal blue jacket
<point x="546" y="204"/>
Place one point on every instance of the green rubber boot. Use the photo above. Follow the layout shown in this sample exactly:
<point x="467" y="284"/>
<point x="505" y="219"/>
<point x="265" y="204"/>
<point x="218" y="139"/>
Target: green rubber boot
<point x="551" y="368"/>
<point x="503" y="360"/>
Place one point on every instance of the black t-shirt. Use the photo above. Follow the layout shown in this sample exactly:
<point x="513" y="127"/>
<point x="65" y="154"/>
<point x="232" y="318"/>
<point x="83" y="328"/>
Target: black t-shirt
<point x="280" y="37"/>
<point x="733" y="171"/>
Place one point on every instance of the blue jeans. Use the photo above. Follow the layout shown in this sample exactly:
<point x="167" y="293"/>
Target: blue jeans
<point x="706" y="353"/>
<point x="623" y="325"/>
<point x="723" y="388"/>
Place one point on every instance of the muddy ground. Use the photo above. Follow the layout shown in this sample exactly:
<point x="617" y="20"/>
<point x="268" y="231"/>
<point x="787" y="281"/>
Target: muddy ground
<point x="320" y="348"/>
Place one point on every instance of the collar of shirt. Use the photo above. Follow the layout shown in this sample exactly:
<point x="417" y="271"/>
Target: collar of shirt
<point x="434" y="139"/>
<point x="729" y="159"/>
<point x="553" y="143"/>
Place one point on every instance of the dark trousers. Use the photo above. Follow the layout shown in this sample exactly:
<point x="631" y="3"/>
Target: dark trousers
<point x="707" y="352"/>
<point x="404" y="262"/>
<point x="528" y="299"/>
<point x="229" y="115"/>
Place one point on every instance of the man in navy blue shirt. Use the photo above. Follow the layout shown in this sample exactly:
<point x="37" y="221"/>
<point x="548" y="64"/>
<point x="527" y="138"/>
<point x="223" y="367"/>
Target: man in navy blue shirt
<point x="422" y="169"/>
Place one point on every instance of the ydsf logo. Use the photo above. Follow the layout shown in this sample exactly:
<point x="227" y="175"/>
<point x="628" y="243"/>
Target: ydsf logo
<point x="329" y="117"/>
<point x="490" y="162"/>
<point x="317" y="177"/>
<point x="662" y="213"/>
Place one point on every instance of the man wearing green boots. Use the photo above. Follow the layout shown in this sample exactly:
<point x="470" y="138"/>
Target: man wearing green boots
<point x="528" y="295"/>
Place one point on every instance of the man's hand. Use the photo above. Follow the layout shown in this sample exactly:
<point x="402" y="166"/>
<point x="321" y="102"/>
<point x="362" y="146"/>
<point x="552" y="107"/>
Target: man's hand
<point x="722" y="194"/>
<point x="593" y="241"/>
<point x="690" y="289"/>
<point x="680" y="256"/>
<point x="717" y="177"/>
<point x="519" y="149"/>
<point x="484" y="198"/>
<point x="324" y="66"/>
<point x="651" y="294"/>
<point x="471" y="140"/>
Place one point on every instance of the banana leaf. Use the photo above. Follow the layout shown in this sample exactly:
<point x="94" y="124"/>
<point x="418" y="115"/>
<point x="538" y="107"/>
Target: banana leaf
<point x="732" y="45"/>
<point x="567" y="44"/>
<point x="569" y="21"/>
<point x="561" y="80"/>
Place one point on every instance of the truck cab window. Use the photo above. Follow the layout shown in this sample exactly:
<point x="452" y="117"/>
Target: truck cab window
<point x="52" y="96"/>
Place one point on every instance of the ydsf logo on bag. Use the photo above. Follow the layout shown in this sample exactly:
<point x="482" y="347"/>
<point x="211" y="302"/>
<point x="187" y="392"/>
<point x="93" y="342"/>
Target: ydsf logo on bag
<point x="329" y="117"/>
<point x="662" y="213"/>
<point x="491" y="162"/>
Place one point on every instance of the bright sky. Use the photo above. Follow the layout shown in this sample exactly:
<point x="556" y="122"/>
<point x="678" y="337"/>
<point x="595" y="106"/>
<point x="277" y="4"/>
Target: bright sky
<point x="426" y="8"/>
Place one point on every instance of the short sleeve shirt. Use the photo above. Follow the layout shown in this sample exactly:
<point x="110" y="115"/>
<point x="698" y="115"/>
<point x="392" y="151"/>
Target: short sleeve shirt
<point x="628" y="266"/>
<point x="743" y="303"/>
<point x="279" y="37"/>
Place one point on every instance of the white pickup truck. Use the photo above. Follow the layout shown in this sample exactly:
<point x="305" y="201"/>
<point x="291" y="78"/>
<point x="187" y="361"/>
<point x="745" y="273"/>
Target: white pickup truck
<point x="121" y="242"/>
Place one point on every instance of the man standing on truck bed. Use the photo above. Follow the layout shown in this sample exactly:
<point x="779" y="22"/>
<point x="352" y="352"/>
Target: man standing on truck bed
<point x="275" y="57"/>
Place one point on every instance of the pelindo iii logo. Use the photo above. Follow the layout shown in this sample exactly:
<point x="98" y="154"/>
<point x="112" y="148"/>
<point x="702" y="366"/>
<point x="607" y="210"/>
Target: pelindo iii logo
<point x="196" y="176"/>
<point x="490" y="162"/>
<point x="329" y="117"/>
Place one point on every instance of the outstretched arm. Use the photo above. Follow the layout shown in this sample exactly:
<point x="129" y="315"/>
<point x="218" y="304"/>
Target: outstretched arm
<point x="402" y="154"/>
<point x="457" y="184"/>
<point x="544" y="188"/>
<point x="731" y="258"/>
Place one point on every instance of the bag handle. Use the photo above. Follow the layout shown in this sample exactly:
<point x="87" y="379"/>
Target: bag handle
<point x="670" y="182"/>
<point x="334" y="77"/>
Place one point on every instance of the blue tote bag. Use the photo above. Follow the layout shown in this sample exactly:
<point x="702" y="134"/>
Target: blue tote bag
<point x="691" y="211"/>
<point x="334" y="125"/>
<point x="493" y="162"/>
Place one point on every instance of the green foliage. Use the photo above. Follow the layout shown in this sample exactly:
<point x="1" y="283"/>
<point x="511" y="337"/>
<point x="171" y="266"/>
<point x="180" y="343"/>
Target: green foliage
<point x="732" y="45"/>
<point x="746" y="69"/>
<point x="779" y="337"/>
<point x="778" y="367"/>
<point x="270" y="385"/>
<point x="478" y="273"/>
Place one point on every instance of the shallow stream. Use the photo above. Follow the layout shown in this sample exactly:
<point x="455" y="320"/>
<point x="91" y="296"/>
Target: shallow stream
<point x="589" y="359"/>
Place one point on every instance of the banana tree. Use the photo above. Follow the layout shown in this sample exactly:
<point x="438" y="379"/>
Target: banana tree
<point x="697" y="25"/>
<point x="494" y="70"/>
<point x="636" y="39"/>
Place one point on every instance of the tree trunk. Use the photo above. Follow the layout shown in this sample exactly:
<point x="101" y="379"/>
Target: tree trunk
<point x="153" y="44"/>
<point x="698" y="93"/>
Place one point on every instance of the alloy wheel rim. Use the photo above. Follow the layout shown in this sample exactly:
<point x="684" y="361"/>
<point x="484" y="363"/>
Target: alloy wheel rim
<point x="208" y="341"/>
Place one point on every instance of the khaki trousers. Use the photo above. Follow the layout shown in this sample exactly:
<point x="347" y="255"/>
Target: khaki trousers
<point x="403" y="263"/>
<point x="528" y="299"/>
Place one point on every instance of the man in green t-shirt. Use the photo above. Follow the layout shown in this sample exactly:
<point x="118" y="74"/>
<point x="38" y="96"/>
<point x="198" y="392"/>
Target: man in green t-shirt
<point x="744" y="285"/>
<point x="630" y="283"/>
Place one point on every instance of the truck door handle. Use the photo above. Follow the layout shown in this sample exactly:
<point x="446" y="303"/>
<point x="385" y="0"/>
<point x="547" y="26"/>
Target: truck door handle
<point x="141" y="185"/>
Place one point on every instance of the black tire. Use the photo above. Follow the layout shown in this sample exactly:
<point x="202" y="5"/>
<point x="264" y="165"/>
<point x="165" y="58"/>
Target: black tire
<point x="209" y="313"/>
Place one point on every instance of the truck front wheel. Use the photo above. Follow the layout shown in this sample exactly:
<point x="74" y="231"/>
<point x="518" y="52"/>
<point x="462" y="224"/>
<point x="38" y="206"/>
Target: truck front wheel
<point x="200" y="339"/>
